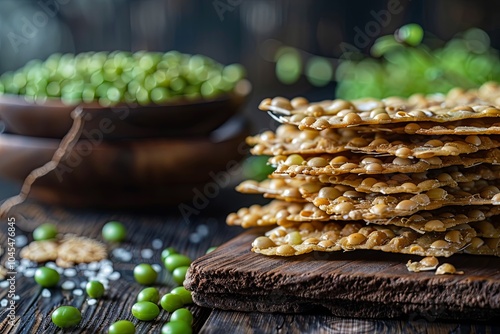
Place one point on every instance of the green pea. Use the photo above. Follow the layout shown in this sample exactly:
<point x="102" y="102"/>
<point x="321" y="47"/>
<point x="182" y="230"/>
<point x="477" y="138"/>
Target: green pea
<point x="171" y="302"/>
<point x="167" y="252"/>
<point x="149" y="295"/>
<point x="184" y="294"/>
<point x="66" y="316"/>
<point x="145" y="311"/>
<point x="47" y="277"/>
<point x="179" y="274"/>
<point x="211" y="249"/>
<point x="176" y="260"/>
<point x="122" y="327"/>
<point x="94" y="289"/>
<point x="45" y="232"/>
<point x="182" y="314"/>
<point x="114" y="231"/>
<point x="176" y="327"/>
<point x="145" y="274"/>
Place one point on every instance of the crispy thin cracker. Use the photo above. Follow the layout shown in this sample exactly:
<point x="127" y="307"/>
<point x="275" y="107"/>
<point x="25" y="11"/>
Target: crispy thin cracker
<point x="334" y="237"/>
<point x="290" y="214"/>
<point x="289" y="140"/>
<point x="456" y="105"/>
<point x="413" y="183"/>
<point x="366" y="164"/>
<point x="345" y="202"/>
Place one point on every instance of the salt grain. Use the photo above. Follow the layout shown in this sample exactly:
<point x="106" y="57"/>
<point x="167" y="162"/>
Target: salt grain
<point x="83" y="284"/>
<point x="68" y="285"/>
<point x="30" y="272"/>
<point x="157" y="244"/>
<point x="195" y="238"/>
<point x="21" y="240"/>
<point x="4" y="284"/>
<point x="46" y="293"/>
<point x="156" y="267"/>
<point x="78" y="292"/>
<point x="91" y="302"/>
<point x="16" y="297"/>
<point x="4" y="303"/>
<point x="70" y="272"/>
<point x="202" y="230"/>
<point x="147" y="253"/>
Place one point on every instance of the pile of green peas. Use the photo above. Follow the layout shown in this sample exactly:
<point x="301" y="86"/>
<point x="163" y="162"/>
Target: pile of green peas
<point x="116" y="77"/>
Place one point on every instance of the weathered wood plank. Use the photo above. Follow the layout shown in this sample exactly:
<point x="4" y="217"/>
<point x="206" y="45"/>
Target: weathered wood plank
<point x="250" y="322"/>
<point x="352" y="284"/>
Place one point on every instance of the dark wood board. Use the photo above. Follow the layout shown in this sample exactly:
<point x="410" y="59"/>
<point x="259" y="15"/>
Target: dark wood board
<point x="366" y="284"/>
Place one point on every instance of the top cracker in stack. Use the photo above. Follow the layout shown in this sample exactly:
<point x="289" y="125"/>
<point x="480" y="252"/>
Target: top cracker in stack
<point x="414" y="176"/>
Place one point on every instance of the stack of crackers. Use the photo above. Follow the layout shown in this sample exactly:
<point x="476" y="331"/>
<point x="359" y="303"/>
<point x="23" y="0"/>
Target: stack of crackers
<point x="414" y="176"/>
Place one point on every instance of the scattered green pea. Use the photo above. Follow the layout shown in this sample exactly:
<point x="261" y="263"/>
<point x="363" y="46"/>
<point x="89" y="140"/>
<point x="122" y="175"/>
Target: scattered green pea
<point x="167" y="252"/>
<point x="47" y="277"/>
<point x="145" y="274"/>
<point x="122" y="327"/>
<point x="145" y="311"/>
<point x="179" y="274"/>
<point x="149" y="294"/>
<point x="114" y="231"/>
<point x="45" y="231"/>
<point x="182" y="314"/>
<point x="211" y="249"/>
<point x="94" y="289"/>
<point x="176" y="327"/>
<point x="171" y="302"/>
<point x="66" y="316"/>
<point x="184" y="294"/>
<point x="176" y="260"/>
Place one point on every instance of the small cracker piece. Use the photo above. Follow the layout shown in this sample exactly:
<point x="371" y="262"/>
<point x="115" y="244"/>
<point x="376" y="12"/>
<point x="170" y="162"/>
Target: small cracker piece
<point x="40" y="251"/>
<point x="426" y="264"/>
<point x="422" y="146"/>
<point x="349" y="162"/>
<point x="352" y="236"/>
<point x="74" y="250"/>
<point x="456" y="105"/>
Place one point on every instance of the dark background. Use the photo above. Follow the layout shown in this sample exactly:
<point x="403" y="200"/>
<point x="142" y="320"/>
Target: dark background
<point x="244" y="31"/>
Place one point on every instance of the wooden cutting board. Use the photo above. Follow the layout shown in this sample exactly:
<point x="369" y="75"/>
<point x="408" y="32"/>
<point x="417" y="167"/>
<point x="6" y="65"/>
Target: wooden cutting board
<point x="368" y="284"/>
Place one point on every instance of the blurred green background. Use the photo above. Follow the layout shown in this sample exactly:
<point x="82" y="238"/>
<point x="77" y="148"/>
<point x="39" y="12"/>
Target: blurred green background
<point x="319" y="49"/>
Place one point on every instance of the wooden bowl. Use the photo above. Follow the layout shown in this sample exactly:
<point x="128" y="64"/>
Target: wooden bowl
<point x="126" y="173"/>
<point x="51" y="118"/>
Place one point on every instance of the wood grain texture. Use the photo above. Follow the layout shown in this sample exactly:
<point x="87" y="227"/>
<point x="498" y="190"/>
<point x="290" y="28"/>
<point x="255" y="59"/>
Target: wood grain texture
<point x="353" y="284"/>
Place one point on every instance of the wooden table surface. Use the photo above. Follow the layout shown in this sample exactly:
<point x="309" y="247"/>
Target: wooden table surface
<point x="191" y="237"/>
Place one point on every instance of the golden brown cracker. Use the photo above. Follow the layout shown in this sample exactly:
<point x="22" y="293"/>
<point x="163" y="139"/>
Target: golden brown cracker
<point x="456" y="105"/>
<point x="366" y="164"/>
<point x="343" y="202"/>
<point x="334" y="237"/>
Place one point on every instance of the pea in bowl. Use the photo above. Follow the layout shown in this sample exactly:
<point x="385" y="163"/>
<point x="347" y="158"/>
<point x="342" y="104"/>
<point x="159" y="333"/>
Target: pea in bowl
<point x="123" y="95"/>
